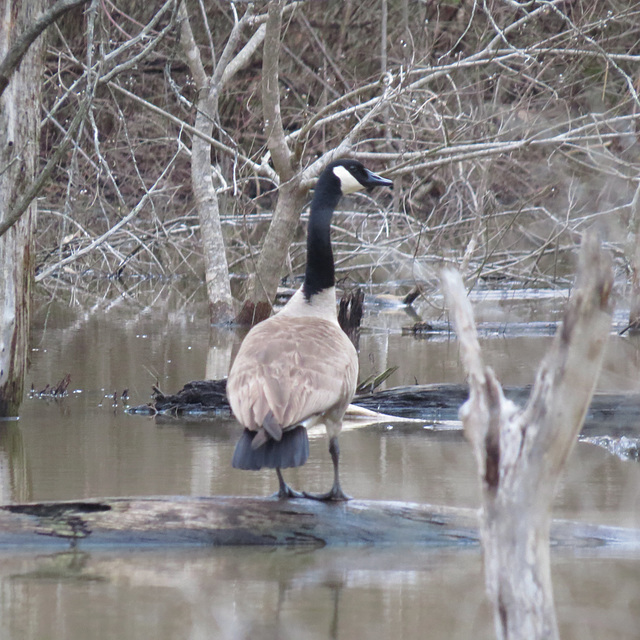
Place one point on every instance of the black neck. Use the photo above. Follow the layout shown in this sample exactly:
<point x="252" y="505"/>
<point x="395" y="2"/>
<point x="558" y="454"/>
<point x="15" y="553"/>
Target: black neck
<point x="320" y="272"/>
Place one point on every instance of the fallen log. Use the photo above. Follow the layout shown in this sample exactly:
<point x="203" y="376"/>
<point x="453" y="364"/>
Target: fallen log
<point x="176" y="521"/>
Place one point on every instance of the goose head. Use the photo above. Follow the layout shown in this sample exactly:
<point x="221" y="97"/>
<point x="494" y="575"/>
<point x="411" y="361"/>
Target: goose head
<point x="353" y="176"/>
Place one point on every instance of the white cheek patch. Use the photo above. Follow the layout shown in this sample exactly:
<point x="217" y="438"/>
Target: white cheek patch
<point x="348" y="183"/>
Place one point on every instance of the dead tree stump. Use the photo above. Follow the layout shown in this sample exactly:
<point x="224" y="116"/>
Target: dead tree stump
<point x="520" y="452"/>
<point x="632" y="252"/>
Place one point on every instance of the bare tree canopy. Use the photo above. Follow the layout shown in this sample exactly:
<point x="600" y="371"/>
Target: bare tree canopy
<point x="509" y="128"/>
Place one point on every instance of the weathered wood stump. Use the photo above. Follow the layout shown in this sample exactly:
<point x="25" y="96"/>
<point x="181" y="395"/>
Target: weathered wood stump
<point x="520" y="452"/>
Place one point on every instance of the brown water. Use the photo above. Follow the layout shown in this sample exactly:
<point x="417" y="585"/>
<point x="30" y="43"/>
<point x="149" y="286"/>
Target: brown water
<point x="83" y="446"/>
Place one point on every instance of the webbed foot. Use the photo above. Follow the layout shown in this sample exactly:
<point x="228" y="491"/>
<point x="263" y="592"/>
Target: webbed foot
<point x="335" y="495"/>
<point x="285" y="491"/>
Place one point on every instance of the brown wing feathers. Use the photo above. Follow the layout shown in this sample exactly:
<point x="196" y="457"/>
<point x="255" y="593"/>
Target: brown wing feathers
<point x="288" y="370"/>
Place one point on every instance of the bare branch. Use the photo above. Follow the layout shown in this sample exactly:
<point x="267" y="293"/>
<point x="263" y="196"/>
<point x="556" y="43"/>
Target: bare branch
<point x="243" y="56"/>
<point x="101" y="239"/>
<point x="344" y="147"/>
<point x="260" y="169"/>
<point x="568" y="375"/>
<point x="16" y="53"/>
<point x="140" y="37"/>
<point x="230" y="46"/>
<point x="276" y="140"/>
<point x="192" y="53"/>
<point x="43" y="178"/>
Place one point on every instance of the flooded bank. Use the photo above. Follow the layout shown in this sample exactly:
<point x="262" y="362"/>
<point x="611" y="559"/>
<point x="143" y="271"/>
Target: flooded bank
<point x="85" y="445"/>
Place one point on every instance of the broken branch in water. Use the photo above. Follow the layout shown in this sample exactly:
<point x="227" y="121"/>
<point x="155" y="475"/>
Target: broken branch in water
<point x="56" y="391"/>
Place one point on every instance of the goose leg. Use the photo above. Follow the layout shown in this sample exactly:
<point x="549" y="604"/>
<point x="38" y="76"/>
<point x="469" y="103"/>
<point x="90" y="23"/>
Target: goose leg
<point x="284" y="490"/>
<point x="336" y="493"/>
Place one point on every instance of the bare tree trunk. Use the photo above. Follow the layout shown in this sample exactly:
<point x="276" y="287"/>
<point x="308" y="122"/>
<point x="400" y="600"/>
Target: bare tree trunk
<point x="19" y="150"/>
<point x="262" y="285"/>
<point x="209" y="91"/>
<point x="215" y="257"/>
<point x="521" y="452"/>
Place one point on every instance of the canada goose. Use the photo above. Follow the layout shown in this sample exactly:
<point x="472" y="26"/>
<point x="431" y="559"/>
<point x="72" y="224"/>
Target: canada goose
<point x="298" y="368"/>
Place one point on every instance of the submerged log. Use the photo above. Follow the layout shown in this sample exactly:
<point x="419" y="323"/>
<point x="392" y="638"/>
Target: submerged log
<point x="195" y="397"/>
<point x="223" y="520"/>
<point x="609" y="414"/>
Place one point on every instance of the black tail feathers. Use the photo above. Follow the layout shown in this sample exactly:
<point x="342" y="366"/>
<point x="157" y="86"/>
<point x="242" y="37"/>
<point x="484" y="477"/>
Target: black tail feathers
<point x="291" y="451"/>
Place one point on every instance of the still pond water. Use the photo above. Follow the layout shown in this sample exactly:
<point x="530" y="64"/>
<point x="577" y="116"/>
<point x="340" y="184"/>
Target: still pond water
<point x="84" y="446"/>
